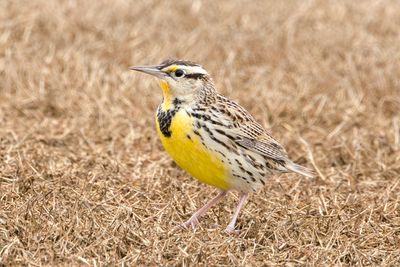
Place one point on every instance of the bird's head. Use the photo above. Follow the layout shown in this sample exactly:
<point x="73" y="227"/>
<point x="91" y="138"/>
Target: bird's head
<point x="182" y="80"/>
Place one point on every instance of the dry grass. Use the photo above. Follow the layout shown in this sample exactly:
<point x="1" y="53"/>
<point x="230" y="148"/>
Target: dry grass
<point x="84" y="179"/>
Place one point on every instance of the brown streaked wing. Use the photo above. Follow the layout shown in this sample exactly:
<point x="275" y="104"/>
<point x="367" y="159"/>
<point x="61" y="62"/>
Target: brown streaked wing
<point x="248" y="133"/>
<point x="269" y="149"/>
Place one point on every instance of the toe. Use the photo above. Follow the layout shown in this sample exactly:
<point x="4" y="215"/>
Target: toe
<point x="231" y="231"/>
<point x="190" y="224"/>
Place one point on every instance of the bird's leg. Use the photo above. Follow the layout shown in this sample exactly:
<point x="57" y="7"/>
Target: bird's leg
<point x="231" y="227"/>
<point x="192" y="222"/>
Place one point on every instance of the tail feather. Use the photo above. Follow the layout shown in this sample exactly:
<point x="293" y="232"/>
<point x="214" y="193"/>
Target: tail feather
<point x="300" y="169"/>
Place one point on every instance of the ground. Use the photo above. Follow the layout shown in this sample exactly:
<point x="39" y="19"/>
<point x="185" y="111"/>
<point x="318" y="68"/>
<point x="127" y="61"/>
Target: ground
<point x="85" y="180"/>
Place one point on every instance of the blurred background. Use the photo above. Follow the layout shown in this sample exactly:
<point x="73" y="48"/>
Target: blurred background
<point x="83" y="176"/>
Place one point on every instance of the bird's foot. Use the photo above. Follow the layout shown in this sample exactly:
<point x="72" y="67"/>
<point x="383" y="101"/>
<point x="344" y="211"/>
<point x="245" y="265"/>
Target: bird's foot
<point x="189" y="224"/>
<point x="231" y="230"/>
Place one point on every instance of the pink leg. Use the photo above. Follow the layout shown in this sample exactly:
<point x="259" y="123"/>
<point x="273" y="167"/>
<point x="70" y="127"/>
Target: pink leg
<point x="193" y="221"/>
<point x="231" y="227"/>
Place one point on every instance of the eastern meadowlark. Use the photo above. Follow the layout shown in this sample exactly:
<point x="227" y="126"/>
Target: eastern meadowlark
<point x="211" y="137"/>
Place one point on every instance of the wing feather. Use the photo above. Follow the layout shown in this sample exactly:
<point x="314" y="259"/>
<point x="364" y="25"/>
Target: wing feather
<point x="269" y="149"/>
<point x="245" y="131"/>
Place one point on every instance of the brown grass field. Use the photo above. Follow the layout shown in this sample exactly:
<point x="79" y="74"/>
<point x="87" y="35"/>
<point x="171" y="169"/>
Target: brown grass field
<point x="84" y="179"/>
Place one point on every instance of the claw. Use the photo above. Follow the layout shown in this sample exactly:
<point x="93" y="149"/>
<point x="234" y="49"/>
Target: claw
<point x="191" y="223"/>
<point x="232" y="231"/>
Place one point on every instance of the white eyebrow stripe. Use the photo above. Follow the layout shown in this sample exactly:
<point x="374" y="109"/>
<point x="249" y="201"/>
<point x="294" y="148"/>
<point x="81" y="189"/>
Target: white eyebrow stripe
<point x="193" y="69"/>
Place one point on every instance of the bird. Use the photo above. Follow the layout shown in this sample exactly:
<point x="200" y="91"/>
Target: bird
<point x="213" y="138"/>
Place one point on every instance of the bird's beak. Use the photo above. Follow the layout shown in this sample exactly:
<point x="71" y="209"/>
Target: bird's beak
<point x="152" y="70"/>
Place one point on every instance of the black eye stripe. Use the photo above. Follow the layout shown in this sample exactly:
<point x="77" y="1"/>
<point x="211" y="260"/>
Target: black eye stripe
<point x="189" y="76"/>
<point x="194" y="75"/>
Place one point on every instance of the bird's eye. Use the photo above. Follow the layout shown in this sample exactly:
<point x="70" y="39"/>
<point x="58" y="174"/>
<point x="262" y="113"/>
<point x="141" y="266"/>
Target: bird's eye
<point x="179" y="73"/>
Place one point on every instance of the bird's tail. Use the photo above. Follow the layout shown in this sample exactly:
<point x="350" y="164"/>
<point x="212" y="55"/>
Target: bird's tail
<point x="300" y="169"/>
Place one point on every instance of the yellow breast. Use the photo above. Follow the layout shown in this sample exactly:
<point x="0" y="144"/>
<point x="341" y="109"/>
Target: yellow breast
<point x="190" y="154"/>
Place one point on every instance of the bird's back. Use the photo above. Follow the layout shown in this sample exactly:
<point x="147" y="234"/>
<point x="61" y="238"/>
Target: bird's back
<point x="223" y="124"/>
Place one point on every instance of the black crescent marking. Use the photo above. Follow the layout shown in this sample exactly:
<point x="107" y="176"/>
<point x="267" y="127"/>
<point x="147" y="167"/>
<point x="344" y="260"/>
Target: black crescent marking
<point x="165" y="119"/>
